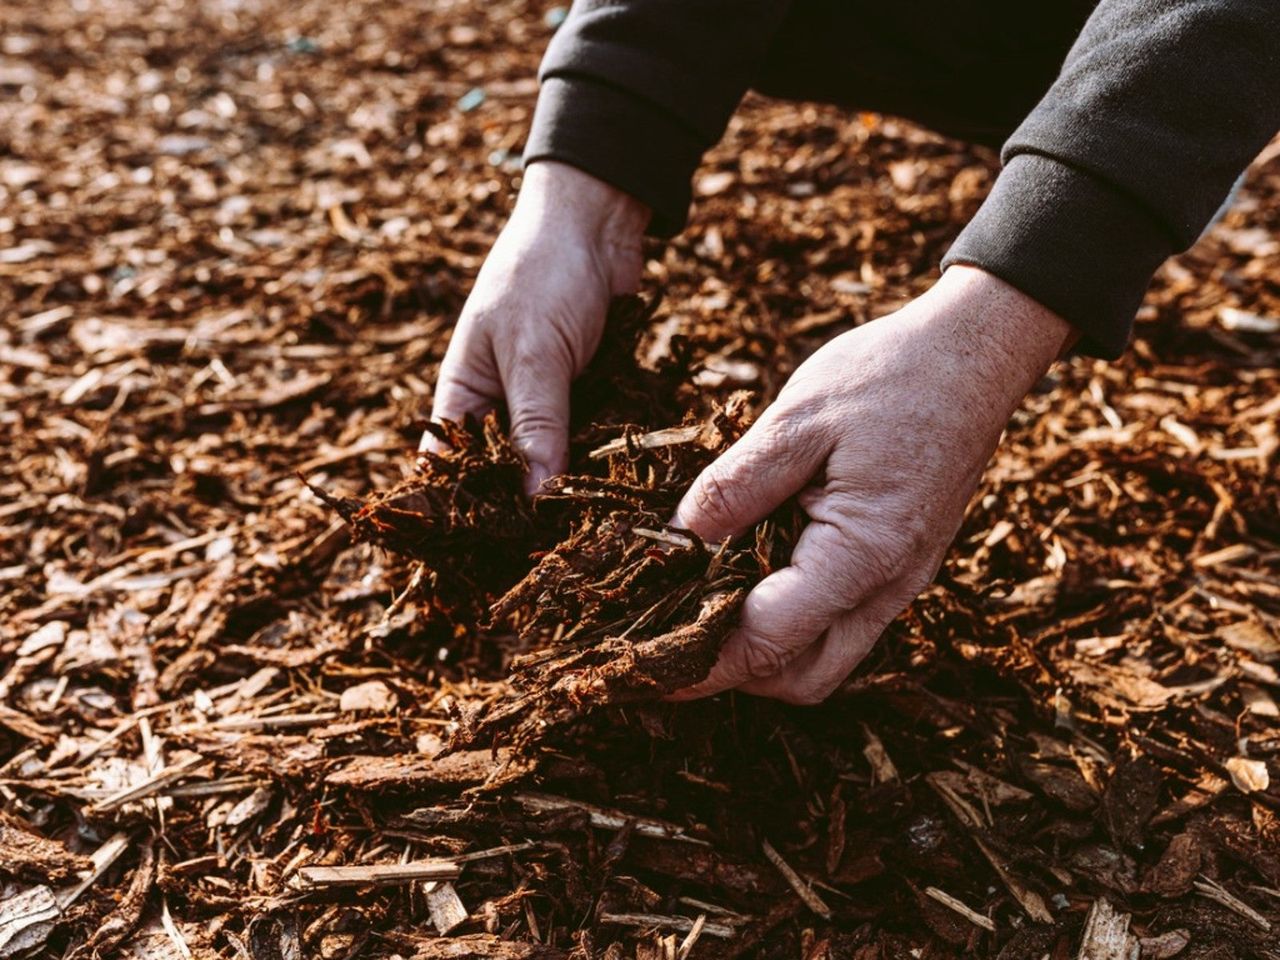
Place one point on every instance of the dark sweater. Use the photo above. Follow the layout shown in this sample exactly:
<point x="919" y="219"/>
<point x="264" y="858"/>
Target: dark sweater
<point x="1121" y="157"/>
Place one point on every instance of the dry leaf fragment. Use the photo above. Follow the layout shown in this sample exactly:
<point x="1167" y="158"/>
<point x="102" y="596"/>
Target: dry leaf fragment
<point x="1248" y="775"/>
<point x="1251" y="637"/>
<point x="882" y="767"/>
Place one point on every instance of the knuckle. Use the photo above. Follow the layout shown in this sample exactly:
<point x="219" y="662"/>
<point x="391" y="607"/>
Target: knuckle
<point x="763" y="659"/>
<point x="880" y="555"/>
<point x="712" y="497"/>
<point x="529" y="422"/>
<point x="479" y="319"/>
<point x="916" y="530"/>
<point x="858" y="561"/>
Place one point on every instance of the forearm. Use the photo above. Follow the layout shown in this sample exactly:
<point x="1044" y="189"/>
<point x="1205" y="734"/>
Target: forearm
<point x="1159" y="107"/>
<point x="560" y="198"/>
<point x="989" y="334"/>
<point x="634" y="92"/>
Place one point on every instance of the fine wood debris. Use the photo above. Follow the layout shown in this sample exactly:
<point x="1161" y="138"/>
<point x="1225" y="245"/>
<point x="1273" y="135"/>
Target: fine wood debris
<point x="233" y="240"/>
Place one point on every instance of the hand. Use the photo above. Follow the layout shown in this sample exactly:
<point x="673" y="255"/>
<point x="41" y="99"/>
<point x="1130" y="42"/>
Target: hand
<point x="884" y="433"/>
<point x="536" y="313"/>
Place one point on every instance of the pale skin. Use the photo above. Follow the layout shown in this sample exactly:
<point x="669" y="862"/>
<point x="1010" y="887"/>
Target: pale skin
<point x="883" y="432"/>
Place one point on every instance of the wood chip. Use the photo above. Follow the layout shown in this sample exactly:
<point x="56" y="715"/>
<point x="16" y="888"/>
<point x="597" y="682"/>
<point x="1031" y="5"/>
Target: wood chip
<point x="1163" y="946"/>
<point x="445" y="906"/>
<point x="377" y="874"/>
<point x="1106" y="935"/>
<point x="882" y="767"/>
<point x="26" y="919"/>
<point x="372" y="697"/>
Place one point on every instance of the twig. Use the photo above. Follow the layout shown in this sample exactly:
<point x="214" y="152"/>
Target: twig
<point x="171" y="929"/>
<point x="676" y="923"/>
<point x="691" y="938"/>
<point x="396" y="873"/>
<point x="649" y="441"/>
<point x="492" y="852"/>
<point x="603" y="819"/>
<point x="1213" y="891"/>
<point x="947" y="900"/>
<point x="802" y="889"/>
<point x="255" y="723"/>
<point x="968" y="816"/>
<point x="102" y="859"/>
<point x="724" y="913"/>
<point x="153" y="784"/>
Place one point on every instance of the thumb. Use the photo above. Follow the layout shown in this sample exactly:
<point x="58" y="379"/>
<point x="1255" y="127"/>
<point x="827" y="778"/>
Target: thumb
<point x="773" y="460"/>
<point x="538" y="405"/>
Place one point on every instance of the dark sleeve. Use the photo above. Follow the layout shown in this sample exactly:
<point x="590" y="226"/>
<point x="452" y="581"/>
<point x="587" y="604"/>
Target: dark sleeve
<point x="1159" y="108"/>
<point x="635" y="91"/>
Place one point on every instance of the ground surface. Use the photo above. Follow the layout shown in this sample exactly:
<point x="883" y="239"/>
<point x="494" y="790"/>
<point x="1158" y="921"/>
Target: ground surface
<point x="232" y="239"/>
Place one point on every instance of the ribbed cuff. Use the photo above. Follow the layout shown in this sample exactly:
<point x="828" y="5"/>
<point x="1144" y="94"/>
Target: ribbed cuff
<point x="1069" y="241"/>
<point x="620" y="138"/>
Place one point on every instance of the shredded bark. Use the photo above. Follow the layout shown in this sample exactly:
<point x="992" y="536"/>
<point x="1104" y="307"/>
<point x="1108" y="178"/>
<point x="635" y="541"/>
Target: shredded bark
<point x="234" y="238"/>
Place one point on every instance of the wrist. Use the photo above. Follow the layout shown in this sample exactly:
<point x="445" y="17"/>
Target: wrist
<point x="1015" y="337"/>
<point x="572" y="200"/>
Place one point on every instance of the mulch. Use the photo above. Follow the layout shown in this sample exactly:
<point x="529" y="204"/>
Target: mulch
<point x="271" y="686"/>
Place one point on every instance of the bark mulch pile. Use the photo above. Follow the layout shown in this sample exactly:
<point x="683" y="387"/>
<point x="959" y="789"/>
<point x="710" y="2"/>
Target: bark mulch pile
<point x="271" y="686"/>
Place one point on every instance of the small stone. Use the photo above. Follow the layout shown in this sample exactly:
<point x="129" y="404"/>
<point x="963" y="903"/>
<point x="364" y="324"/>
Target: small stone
<point x="715" y="183"/>
<point x="181" y="145"/>
<point x="471" y="99"/>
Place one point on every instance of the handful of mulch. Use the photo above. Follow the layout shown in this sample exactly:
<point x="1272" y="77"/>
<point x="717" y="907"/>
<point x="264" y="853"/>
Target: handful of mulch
<point x="462" y="514"/>
<point x="611" y="603"/>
